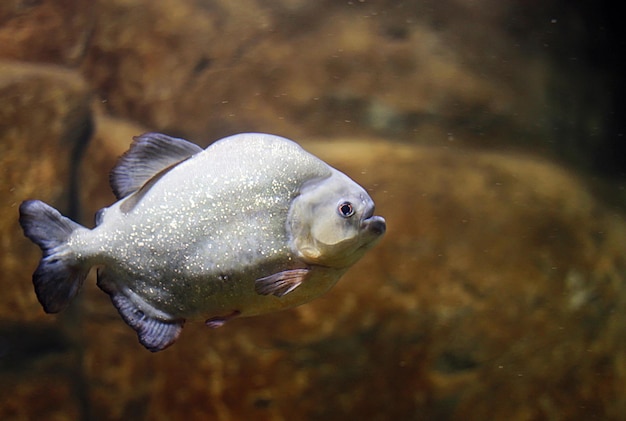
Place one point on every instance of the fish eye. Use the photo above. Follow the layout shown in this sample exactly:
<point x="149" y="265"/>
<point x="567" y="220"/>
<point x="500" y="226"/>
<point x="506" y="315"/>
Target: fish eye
<point x="346" y="209"/>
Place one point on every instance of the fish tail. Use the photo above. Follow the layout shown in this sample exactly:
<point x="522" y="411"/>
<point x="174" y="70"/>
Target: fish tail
<point x="59" y="275"/>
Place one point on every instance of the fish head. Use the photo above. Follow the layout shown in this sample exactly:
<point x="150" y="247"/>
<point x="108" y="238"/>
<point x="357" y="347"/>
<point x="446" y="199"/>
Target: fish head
<point x="332" y="222"/>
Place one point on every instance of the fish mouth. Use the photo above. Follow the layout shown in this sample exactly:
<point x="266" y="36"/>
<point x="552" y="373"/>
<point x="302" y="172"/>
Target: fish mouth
<point x="374" y="224"/>
<point x="368" y="213"/>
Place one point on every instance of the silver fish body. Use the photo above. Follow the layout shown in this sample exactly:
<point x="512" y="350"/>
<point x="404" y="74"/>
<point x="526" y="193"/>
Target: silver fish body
<point x="250" y="225"/>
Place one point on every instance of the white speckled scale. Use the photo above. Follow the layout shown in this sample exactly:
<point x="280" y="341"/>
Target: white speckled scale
<point x="252" y="224"/>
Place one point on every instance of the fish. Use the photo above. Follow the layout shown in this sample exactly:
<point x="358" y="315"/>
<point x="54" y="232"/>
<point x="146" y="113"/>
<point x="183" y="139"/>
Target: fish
<point x="250" y="225"/>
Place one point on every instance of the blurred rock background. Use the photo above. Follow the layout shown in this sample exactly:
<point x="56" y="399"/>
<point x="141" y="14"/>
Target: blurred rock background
<point x="490" y="134"/>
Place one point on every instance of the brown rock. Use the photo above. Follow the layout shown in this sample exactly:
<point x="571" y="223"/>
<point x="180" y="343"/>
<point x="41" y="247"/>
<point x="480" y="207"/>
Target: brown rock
<point x="47" y="396"/>
<point x="44" y="121"/>
<point x="496" y="293"/>
<point x="298" y="68"/>
<point x="163" y="63"/>
<point x="501" y="293"/>
<point x="111" y="138"/>
<point x="51" y="31"/>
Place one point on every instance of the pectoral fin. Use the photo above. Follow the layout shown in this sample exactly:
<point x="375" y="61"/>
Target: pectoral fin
<point x="281" y="283"/>
<point x="218" y="321"/>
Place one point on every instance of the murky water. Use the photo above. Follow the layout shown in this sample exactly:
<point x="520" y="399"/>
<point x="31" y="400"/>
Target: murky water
<point x="488" y="133"/>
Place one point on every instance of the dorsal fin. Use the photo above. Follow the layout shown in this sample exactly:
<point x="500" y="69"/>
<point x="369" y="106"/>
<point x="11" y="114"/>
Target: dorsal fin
<point x="148" y="155"/>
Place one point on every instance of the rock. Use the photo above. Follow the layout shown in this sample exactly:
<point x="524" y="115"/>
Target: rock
<point x="111" y="138"/>
<point x="496" y="293"/>
<point x="170" y="76"/>
<point x="45" y="119"/>
<point x="50" y="31"/>
<point x="44" y="122"/>
<point x="301" y="68"/>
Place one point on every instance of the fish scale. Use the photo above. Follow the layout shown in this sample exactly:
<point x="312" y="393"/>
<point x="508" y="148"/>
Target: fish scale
<point x="252" y="224"/>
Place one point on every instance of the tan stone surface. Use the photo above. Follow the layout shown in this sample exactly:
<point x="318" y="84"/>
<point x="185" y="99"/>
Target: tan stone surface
<point x="497" y="292"/>
<point x="111" y="138"/>
<point x="324" y="68"/>
<point x="45" y="397"/>
<point x="43" y="111"/>
<point x="44" y="115"/>
<point x="49" y="31"/>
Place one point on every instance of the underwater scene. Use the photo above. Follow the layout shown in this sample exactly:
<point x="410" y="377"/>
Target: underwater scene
<point x="480" y="238"/>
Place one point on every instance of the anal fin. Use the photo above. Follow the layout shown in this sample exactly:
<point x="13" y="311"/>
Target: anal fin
<point x="281" y="283"/>
<point x="154" y="333"/>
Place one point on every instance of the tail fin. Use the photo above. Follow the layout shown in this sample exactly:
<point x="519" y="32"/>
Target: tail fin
<point x="58" y="277"/>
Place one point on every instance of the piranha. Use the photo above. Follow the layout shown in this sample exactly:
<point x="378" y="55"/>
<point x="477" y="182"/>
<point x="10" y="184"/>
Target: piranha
<point x="250" y="225"/>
